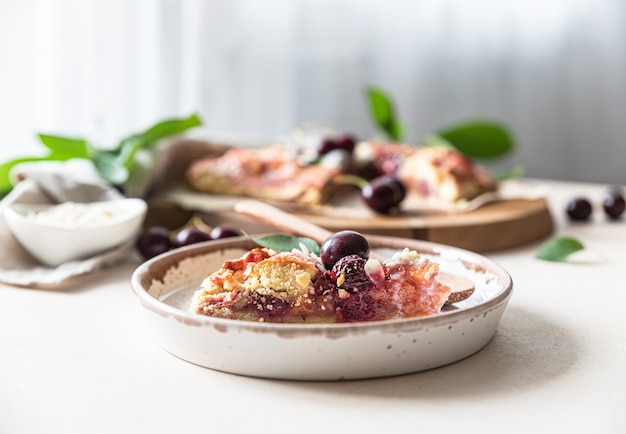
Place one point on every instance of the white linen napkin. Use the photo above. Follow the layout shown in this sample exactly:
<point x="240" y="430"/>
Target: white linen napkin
<point x="54" y="182"/>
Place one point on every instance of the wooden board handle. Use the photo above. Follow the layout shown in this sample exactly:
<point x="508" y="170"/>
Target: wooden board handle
<point x="276" y="217"/>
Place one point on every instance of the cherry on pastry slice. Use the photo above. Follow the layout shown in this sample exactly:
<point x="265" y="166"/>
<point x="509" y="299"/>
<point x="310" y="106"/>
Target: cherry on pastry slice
<point x="341" y="244"/>
<point x="460" y="286"/>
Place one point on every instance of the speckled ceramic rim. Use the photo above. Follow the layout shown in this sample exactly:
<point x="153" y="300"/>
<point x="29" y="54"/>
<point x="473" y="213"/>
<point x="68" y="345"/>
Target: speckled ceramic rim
<point x="143" y="274"/>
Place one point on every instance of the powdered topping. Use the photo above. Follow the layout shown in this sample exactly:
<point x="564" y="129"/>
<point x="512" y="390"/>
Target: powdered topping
<point x="81" y="215"/>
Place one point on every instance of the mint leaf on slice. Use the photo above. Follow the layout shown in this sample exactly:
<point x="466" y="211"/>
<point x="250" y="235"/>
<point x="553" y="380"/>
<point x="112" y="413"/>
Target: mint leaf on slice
<point x="286" y="243"/>
<point x="558" y="249"/>
<point x="383" y="113"/>
<point x="479" y="139"/>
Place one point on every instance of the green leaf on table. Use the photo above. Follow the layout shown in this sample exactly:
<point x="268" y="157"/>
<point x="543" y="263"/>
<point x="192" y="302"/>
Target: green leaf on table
<point x="479" y="139"/>
<point x="558" y="249"/>
<point x="286" y="243"/>
<point x="65" y="148"/>
<point x="383" y="113"/>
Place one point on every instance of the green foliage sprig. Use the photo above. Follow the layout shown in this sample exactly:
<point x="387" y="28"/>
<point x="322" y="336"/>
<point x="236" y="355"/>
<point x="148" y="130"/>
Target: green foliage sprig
<point x="114" y="165"/>
<point x="286" y="243"/>
<point x="479" y="138"/>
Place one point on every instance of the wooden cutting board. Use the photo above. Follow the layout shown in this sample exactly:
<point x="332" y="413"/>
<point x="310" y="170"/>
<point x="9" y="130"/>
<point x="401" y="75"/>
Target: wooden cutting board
<point x="494" y="226"/>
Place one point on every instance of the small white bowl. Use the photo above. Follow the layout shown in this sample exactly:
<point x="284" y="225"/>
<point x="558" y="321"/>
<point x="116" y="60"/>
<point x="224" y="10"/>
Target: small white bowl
<point x="54" y="243"/>
<point x="164" y="286"/>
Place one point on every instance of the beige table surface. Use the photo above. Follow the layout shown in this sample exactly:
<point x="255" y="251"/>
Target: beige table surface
<point x="80" y="360"/>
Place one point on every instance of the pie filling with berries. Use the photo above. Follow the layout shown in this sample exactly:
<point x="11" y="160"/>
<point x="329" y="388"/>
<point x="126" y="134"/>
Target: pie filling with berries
<point x="283" y="175"/>
<point x="430" y="171"/>
<point x="340" y="285"/>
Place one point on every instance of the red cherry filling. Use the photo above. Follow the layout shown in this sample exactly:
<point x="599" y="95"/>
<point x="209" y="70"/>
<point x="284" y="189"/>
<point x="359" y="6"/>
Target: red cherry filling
<point x="353" y="290"/>
<point x="268" y="306"/>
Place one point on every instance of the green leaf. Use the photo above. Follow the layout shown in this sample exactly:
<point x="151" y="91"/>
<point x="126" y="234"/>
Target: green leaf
<point x="479" y="139"/>
<point x="383" y="113"/>
<point x="161" y="130"/>
<point x="110" y="167"/>
<point x="127" y="151"/>
<point x="5" y="169"/>
<point x="140" y="173"/>
<point x="113" y="165"/>
<point x="286" y="243"/>
<point x="514" y="172"/>
<point x="437" y="141"/>
<point x="64" y="148"/>
<point x="558" y="249"/>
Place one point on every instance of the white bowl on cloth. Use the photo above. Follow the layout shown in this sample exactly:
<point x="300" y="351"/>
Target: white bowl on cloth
<point x="58" y="233"/>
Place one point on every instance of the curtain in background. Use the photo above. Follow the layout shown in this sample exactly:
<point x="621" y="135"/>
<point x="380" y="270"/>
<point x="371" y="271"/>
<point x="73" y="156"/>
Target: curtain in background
<point x="553" y="70"/>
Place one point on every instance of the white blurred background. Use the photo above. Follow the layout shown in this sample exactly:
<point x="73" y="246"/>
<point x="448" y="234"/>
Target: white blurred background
<point x="554" y="71"/>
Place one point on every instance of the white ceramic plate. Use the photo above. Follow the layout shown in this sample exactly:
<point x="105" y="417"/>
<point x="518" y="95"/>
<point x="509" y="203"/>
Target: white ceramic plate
<point x="165" y="284"/>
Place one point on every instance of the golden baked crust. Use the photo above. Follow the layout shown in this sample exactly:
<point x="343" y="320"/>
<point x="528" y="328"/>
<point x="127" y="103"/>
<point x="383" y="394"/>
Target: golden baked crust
<point x="294" y="287"/>
<point x="273" y="173"/>
<point x="262" y="285"/>
<point x="263" y="173"/>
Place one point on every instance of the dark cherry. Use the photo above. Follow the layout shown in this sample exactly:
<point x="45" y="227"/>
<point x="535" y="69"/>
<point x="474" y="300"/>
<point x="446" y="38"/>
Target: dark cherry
<point x="579" y="209"/>
<point x="614" y="204"/>
<point x="153" y="241"/>
<point x="341" y="244"/>
<point x="326" y="145"/>
<point x="224" y="231"/>
<point x="189" y="235"/>
<point x="383" y="194"/>
<point x="347" y="142"/>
